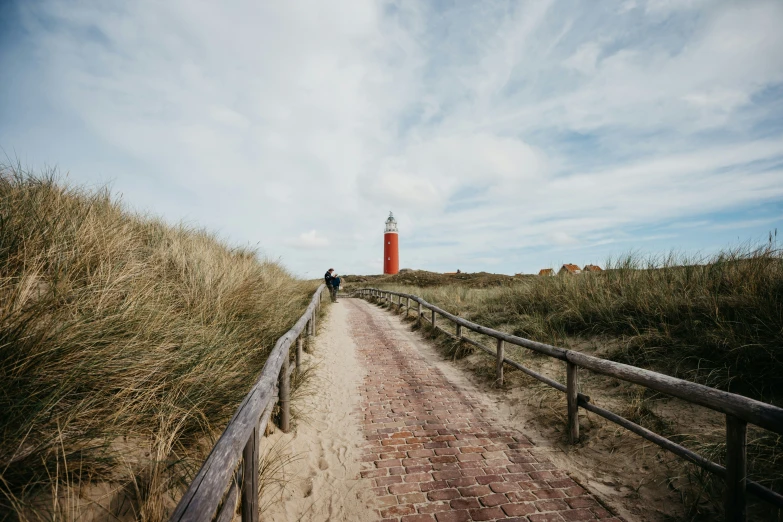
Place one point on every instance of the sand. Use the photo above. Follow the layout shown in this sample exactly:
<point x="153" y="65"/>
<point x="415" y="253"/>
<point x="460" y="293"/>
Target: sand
<point x="318" y="475"/>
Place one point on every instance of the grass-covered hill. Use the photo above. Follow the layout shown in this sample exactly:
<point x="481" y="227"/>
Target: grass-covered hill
<point x="426" y="279"/>
<point x="125" y="346"/>
<point x="718" y="321"/>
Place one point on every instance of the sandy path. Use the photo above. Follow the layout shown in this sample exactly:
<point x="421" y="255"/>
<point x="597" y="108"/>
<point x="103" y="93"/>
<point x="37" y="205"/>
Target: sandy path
<point x="320" y="472"/>
<point x="390" y="425"/>
<point x="436" y="450"/>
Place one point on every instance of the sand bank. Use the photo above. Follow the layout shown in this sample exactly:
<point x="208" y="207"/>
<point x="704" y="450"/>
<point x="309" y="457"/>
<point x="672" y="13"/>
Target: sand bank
<point x="316" y="476"/>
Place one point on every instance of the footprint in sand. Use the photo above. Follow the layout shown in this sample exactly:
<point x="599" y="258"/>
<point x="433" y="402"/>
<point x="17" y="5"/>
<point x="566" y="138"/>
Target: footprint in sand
<point x="307" y="487"/>
<point x="323" y="464"/>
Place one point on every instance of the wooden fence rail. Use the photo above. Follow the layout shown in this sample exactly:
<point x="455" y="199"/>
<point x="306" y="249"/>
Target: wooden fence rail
<point x="214" y="492"/>
<point x="739" y="410"/>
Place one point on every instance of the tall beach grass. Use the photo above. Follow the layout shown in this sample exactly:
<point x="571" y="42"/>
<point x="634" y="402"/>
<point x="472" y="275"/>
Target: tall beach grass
<point x="125" y="346"/>
<point x="715" y="320"/>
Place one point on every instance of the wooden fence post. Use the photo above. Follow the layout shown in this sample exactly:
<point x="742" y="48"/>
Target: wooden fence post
<point x="407" y="306"/>
<point x="459" y="330"/>
<point x="418" y="319"/>
<point x="736" y="469"/>
<point x="499" y="366"/>
<point x="573" y="405"/>
<point x="250" y="479"/>
<point x="433" y="318"/>
<point x="299" y="346"/>
<point x="285" y="395"/>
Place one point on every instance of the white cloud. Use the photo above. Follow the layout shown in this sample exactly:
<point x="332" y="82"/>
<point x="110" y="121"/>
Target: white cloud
<point x="585" y="58"/>
<point x="308" y="240"/>
<point x="489" y="128"/>
<point x="563" y="238"/>
<point x="669" y="6"/>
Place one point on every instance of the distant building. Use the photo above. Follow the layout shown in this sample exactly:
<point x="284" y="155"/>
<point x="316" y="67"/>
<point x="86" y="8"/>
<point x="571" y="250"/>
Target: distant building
<point x="569" y="269"/>
<point x="546" y="272"/>
<point x="592" y="268"/>
<point x="391" y="249"/>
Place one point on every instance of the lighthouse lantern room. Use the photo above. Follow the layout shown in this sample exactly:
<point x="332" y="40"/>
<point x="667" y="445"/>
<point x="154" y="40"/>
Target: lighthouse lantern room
<point x="391" y="252"/>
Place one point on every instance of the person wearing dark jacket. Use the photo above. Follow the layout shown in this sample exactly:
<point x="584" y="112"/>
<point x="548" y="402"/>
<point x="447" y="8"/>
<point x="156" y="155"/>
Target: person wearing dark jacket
<point x="336" y="285"/>
<point x="329" y="280"/>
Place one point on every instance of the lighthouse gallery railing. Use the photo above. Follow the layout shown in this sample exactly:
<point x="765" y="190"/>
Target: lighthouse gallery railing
<point x="214" y="492"/>
<point x="739" y="410"/>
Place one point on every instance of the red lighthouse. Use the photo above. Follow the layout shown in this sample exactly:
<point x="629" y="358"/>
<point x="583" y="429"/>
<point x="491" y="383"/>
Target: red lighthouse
<point x="391" y="249"/>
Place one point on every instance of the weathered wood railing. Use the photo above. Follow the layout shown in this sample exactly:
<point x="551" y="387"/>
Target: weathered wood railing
<point x="739" y="410"/>
<point x="214" y="492"/>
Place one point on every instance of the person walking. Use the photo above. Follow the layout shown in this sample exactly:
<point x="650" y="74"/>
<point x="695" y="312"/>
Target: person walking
<point x="328" y="279"/>
<point x="336" y="285"/>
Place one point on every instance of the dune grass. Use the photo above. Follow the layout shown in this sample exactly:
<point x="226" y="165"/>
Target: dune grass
<point x="125" y="346"/>
<point x="718" y="321"/>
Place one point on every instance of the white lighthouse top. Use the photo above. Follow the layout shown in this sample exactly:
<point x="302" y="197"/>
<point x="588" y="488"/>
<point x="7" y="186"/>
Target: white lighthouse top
<point x="391" y="224"/>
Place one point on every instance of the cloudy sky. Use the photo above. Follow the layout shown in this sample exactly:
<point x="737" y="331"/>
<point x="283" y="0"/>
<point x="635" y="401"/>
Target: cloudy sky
<point x="505" y="136"/>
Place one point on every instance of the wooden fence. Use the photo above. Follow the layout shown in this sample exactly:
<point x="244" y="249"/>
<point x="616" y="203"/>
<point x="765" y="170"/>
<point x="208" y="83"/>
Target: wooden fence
<point x="231" y="470"/>
<point x="739" y="410"/>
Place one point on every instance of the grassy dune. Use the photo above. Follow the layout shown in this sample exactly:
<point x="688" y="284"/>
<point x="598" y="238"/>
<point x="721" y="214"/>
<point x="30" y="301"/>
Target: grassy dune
<point x="718" y="321"/>
<point x="125" y="346"/>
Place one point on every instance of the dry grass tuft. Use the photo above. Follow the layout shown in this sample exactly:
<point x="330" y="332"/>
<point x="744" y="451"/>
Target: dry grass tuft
<point x="125" y="346"/>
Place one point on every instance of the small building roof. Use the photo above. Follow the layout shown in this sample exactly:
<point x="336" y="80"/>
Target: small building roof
<point x="592" y="268"/>
<point x="570" y="268"/>
<point x="546" y="271"/>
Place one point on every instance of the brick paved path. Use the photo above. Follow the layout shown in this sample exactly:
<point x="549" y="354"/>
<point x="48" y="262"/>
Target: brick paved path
<point x="431" y="452"/>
